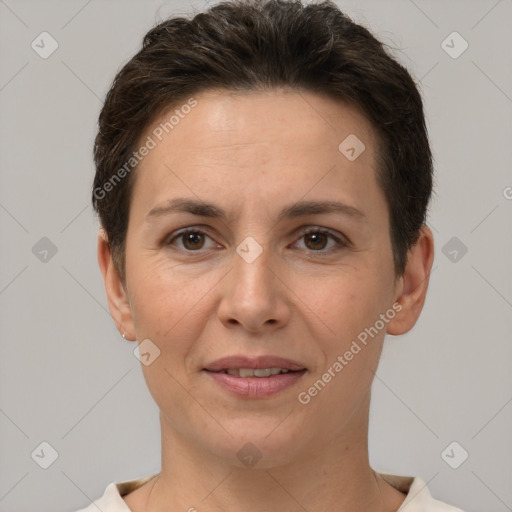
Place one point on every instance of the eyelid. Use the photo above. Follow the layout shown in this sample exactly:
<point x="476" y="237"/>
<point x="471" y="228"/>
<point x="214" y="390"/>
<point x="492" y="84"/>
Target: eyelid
<point x="341" y="240"/>
<point x="203" y="230"/>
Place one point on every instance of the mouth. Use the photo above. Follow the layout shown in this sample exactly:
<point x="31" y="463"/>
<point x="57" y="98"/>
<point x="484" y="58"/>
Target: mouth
<point x="261" y="366"/>
<point x="256" y="372"/>
<point x="258" y="377"/>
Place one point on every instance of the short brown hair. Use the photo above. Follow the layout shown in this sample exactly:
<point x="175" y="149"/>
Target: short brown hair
<point x="249" y="45"/>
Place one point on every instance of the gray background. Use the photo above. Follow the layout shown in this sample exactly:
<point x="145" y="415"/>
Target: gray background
<point x="67" y="377"/>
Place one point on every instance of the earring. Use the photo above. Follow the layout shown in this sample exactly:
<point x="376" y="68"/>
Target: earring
<point x="124" y="335"/>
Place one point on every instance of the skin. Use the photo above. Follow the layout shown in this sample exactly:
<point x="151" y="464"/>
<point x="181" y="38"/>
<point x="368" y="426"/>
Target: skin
<point x="304" y="298"/>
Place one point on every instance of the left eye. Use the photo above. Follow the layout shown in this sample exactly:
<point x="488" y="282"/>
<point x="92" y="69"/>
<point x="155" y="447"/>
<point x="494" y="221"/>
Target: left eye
<point x="317" y="240"/>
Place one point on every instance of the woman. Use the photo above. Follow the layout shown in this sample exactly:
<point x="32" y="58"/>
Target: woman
<point x="262" y="180"/>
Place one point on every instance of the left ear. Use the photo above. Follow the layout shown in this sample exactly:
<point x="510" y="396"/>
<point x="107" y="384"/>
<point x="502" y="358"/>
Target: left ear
<point x="413" y="284"/>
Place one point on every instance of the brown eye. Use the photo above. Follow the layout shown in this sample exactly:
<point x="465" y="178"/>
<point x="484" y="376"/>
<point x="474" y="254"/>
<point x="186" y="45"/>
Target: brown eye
<point x="193" y="240"/>
<point x="316" y="241"/>
<point x="321" y="241"/>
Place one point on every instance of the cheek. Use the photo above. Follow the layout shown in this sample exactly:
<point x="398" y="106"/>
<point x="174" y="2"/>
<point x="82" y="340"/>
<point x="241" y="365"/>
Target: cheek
<point x="344" y="304"/>
<point x="349" y="308"/>
<point x="163" y="299"/>
<point x="171" y="312"/>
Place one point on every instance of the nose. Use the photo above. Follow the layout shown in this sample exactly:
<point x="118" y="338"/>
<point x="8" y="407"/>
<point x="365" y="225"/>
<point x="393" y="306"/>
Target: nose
<point x="253" y="296"/>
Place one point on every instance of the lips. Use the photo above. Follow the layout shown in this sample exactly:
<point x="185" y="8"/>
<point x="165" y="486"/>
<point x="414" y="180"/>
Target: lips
<point x="258" y="377"/>
<point x="256" y="372"/>
<point x="254" y="363"/>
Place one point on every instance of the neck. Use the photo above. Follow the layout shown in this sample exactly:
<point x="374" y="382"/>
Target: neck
<point x="329" y="475"/>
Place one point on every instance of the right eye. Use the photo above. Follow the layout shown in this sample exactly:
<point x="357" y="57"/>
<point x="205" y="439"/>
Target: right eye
<point x="191" y="240"/>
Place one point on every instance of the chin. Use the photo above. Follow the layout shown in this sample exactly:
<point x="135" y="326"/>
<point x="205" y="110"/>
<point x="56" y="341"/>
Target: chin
<point x="259" y="443"/>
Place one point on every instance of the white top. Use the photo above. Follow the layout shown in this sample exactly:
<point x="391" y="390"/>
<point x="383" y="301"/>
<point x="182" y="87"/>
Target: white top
<point x="418" y="497"/>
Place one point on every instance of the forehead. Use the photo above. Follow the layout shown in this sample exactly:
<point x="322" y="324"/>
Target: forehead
<point x="256" y="116"/>
<point x="268" y="143"/>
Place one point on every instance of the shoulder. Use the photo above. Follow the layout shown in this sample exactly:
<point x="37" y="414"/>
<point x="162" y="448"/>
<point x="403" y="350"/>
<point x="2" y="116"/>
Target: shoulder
<point x="418" y="497"/>
<point x="112" y="499"/>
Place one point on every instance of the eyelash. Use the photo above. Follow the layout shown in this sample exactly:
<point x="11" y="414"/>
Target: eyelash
<point x="341" y="242"/>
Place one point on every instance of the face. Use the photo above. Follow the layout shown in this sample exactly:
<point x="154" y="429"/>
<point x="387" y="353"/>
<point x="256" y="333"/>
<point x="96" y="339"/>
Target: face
<point x="256" y="241"/>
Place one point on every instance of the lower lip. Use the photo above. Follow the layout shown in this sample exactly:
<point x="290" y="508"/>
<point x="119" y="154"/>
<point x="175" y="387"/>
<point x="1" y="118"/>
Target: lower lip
<point x="256" y="387"/>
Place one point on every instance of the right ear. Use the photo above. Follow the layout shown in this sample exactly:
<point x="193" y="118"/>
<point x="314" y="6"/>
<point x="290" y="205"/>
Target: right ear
<point x="118" y="302"/>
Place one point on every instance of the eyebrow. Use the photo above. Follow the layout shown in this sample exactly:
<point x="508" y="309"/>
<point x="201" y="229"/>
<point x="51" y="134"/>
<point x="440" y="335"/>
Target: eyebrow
<point x="193" y="206"/>
<point x="304" y="208"/>
<point x="299" y="209"/>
